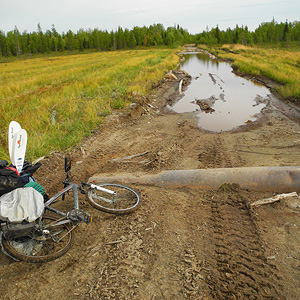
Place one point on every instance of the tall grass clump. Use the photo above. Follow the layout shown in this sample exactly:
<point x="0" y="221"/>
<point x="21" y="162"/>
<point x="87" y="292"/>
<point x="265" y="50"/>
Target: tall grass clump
<point x="59" y="100"/>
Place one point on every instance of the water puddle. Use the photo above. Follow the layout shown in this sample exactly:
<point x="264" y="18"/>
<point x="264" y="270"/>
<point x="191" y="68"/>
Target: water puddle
<point x="220" y="99"/>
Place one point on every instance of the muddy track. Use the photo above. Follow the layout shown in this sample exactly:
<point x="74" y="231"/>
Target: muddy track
<point x="218" y="154"/>
<point x="242" y="270"/>
<point x="181" y="243"/>
<point x="154" y="254"/>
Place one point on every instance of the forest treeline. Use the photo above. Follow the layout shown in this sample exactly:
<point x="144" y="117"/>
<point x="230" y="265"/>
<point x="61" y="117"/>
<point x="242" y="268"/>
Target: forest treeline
<point x="272" y="33"/>
<point x="14" y="43"/>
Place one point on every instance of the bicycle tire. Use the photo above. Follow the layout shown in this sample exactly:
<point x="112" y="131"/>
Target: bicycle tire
<point x="49" y="249"/>
<point x="124" y="201"/>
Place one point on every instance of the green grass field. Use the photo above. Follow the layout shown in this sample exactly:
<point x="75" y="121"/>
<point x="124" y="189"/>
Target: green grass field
<point x="61" y="99"/>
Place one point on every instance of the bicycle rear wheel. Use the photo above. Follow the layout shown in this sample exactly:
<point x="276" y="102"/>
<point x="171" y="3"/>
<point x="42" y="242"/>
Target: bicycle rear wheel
<point x="46" y="248"/>
<point x="125" y="199"/>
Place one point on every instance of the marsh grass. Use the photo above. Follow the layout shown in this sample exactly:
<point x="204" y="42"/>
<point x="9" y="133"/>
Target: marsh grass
<point x="278" y="64"/>
<point x="59" y="100"/>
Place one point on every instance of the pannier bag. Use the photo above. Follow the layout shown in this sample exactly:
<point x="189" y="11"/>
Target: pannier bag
<point x="16" y="230"/>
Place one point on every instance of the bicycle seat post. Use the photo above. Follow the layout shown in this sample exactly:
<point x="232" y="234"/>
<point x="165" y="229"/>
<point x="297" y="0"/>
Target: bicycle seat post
<point x="75" y="193"/>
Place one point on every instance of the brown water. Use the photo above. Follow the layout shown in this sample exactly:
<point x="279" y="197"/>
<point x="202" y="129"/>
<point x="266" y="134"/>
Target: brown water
<point x="219" y="99"/>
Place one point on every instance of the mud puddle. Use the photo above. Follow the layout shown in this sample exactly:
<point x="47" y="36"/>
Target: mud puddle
<point x="220" y="99"/>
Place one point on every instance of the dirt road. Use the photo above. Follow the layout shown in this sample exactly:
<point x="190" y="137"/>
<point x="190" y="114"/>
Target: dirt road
<point x="180" y="243"/>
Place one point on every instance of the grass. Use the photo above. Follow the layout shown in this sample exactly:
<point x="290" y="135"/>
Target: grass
<point x="280" y="65"/>
<point x="61" y="99"/>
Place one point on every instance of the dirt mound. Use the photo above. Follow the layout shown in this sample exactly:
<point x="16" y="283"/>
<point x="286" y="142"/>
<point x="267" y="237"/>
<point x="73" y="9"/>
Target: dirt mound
<point x="181" y="243"/>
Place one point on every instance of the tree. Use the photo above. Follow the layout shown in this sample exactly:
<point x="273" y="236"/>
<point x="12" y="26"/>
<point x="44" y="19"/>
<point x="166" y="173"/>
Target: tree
<point x="53" y="44"/>
<point x="82" y="39"/>
<point x="139" y="34"/>
<point x="218" y="34"/>
<point x="42" y="45"/>
<point x="70" y="41"/>
<point x="4" y="47"/>
<point x="17" y="43"/>
<point x="61" y="44"/>
<point x="286" y="31"/>
<point x="170" y="37"/>
<point x="131" y="40"/>
<point x="33" y="43"/>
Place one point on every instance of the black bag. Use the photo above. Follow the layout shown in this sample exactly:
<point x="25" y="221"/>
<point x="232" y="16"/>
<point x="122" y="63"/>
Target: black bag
<point x="16" y="230"/>
<point x="9" y="179"/>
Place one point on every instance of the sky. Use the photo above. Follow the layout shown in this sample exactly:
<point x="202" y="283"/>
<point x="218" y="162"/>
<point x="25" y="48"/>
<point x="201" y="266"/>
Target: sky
<point x="193" y="15"/>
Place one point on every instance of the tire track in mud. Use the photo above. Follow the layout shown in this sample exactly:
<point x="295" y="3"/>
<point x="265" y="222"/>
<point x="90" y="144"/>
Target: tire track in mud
<point x="239" y="267"/>
<point x="154" y="253"/>
<point x="218" y="154"/>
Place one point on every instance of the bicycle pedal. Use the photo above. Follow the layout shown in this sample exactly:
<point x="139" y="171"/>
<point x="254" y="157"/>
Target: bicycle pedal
<point x="78" y="215"/>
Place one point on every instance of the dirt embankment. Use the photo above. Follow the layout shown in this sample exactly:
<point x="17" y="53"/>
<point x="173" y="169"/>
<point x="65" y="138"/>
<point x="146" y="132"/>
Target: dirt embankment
<point x="180" y="243"/>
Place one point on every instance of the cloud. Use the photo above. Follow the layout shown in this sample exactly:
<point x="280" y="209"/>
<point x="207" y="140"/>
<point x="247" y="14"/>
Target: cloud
<point x="193" y="15"/>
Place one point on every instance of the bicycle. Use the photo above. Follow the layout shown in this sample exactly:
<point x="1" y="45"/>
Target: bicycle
<point x="50" y="237"/>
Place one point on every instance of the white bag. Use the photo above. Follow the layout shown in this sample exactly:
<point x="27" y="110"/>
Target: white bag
<point x="21" y="204"/>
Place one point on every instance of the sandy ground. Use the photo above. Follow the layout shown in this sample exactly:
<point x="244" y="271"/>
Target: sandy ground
<point x="180" y="243"/>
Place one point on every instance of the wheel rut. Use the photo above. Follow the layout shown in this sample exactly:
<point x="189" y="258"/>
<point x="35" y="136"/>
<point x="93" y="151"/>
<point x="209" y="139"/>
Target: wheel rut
<point x="219" y="154"/>
<point x="239" y="267"/>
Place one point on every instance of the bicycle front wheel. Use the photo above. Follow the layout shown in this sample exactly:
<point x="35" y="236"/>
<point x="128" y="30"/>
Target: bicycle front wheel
<point x="56" y="242"/>
<point x="123" y="200"/>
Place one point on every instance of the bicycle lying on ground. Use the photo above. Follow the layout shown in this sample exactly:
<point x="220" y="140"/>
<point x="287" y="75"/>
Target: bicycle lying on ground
<point x="50" y="236"/>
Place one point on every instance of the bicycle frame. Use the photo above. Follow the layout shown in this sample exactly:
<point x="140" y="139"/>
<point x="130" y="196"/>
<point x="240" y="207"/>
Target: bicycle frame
<point x="71" y="186"/>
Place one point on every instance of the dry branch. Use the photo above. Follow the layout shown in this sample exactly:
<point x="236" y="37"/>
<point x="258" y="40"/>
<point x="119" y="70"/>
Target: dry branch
<point x="273" y="199"/>
<point x="171" y="75"/>
<point x="114" y="242"/>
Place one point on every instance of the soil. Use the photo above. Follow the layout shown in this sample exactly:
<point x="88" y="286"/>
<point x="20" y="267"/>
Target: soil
<point x="180" y="243"/>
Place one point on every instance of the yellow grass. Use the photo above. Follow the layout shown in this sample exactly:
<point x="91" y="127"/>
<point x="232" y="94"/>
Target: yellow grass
<point x="79" y="90"/>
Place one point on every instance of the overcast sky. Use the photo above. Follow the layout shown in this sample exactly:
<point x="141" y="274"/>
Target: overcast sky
<point x="193" y="15"/>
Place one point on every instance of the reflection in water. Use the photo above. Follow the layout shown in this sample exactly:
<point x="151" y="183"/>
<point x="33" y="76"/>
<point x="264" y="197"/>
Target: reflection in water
<point x="220" y="99"/>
